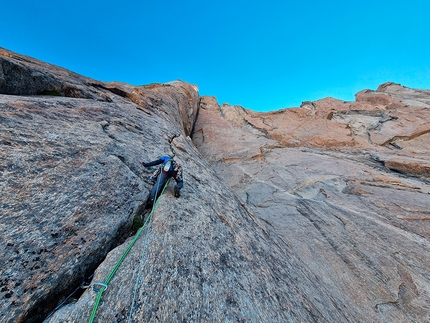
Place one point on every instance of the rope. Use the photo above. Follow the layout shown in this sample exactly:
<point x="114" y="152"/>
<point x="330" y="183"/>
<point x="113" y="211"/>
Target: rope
<point x="121" y="259"/>
<point x="138" y="275"/>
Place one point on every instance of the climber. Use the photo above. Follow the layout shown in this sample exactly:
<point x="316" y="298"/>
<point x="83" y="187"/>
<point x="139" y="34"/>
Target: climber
<point x="169" y="168"/>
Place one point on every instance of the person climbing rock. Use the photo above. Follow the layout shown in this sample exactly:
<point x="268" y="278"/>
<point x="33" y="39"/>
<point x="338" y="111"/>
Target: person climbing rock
<point x="169" y="168"/>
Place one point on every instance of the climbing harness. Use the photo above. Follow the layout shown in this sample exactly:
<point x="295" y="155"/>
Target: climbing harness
<point x="104" y="285"/>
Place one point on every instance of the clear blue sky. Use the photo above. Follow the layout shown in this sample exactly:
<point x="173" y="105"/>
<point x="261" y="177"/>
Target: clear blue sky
<point x="263" y="55"/>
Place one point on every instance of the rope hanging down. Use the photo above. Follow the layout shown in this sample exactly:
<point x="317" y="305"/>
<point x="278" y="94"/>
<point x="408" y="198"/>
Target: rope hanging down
<point x="136" y="285"/>
<point x="104" y="285"/>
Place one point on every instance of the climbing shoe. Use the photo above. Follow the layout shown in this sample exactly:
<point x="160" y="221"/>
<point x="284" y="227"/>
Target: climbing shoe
<point x="177" y="193"/>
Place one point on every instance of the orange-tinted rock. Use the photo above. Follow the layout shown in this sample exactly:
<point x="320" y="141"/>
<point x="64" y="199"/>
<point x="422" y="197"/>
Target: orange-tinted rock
<point x="344" y="186"/>
<point x="313" y="214"/>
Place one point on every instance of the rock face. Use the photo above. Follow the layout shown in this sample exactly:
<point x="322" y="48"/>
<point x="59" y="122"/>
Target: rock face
<point x="71" y="182"/>
<point x="314" y="214"/>
<point x="344" y="187"/>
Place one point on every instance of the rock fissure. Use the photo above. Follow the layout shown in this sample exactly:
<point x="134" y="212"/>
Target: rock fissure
<point x="195" y="119"/>
<point x="290" y="215"/>
<point x="262" y="131"/>
<point x="406" y="138"/>
<point x="393" y="302"/>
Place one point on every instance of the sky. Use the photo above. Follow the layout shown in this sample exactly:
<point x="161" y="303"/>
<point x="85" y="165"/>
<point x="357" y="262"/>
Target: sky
<point x="262" y="55"/>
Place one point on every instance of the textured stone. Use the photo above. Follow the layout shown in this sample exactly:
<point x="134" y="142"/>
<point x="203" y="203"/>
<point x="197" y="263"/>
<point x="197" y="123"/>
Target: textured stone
<point x="327" y="192"/>
<point x="71" y="183"/>
<point x="314" y="214"/>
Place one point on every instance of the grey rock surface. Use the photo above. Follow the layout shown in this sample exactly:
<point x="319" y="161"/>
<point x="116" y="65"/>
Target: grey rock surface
<point x="303" y="215"/>
<point x="71" y="182"/>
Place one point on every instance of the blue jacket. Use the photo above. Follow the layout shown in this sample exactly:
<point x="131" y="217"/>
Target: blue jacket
<point x="175" y="170"/>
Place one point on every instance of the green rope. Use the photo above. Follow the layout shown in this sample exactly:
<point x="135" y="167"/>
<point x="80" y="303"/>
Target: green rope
<point x="119" y="262"/>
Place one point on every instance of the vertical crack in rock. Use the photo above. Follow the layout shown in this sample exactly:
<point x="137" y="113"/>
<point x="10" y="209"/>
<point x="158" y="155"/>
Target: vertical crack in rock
<point x="70" y="185"/>
<point x="126" y="164"/>
<point x="195" y="119"/>
<point x="236" y="246"/>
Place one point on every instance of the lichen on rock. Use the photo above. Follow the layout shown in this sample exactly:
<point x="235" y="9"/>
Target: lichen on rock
<point x="312" y="214"/>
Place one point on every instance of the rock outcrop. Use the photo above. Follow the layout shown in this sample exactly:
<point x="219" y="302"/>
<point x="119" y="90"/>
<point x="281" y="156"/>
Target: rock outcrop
<point x="71" y="182"/>
<point x="314" y="214"/>
<point x="343" y="186"/>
